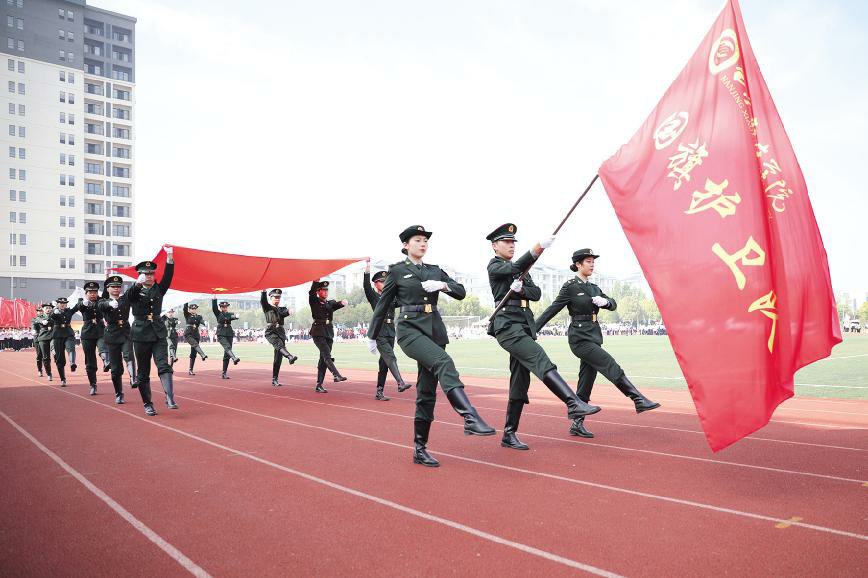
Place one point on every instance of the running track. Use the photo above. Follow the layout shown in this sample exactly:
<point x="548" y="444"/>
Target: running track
<point x="246" y="479"/>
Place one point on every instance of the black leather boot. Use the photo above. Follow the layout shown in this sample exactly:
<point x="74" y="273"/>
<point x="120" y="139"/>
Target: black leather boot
<point x="106" y="363"/>
<point x="290" y="357"/>
<point x="330" y="364"/>
<point x="93" y="389"/>
<point x="641" y="402"/>
<point x="380" y="395"/>
<point x="275" y="383"/>
<point x="225" y="368"/>
<point x="131" y="369"/>
<point x="169" y="388"/>
<point x="192" y="364"/>
<point x="421" y="456"/>
<point x="198" y="349"/>
<point x="320" y="389"/>
<point x="513" y="415"/>
<point x="402" y="385"/>
<point x="578" y="428"/>
<point x="575" y="406"/>
<point x="149" y="409"/>
<point x="119" y="399"/>
<point x="473" y="424"/>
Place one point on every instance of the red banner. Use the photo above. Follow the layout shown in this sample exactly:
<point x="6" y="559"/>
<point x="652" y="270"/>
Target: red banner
<point x="16" y="313"/>
<point x="198" y="271"/>
<point x="713" y="202"/>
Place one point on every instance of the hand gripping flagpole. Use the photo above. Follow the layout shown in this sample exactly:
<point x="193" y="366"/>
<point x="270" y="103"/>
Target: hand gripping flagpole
<point x="524" y="273"/>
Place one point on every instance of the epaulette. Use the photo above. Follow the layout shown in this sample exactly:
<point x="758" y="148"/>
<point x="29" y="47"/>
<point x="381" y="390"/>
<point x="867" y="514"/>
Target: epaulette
<point x="573" y="280"/>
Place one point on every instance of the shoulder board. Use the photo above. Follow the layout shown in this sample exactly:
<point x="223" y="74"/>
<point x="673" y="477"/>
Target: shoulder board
<point x="571" y="281"/>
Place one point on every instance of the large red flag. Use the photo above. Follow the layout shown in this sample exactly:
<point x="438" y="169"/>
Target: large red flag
<point x="200" y="271"/>
<point x="713" y="202"/>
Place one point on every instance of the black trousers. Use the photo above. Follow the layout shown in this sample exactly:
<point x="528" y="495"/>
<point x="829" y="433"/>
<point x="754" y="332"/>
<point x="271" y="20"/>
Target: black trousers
<point x="89" y="346"/>
<point x="173" y="346"/>
<point x="145" y="351"/>
<point x="117" y="352"/>
<point x="59" y="344"/>
<point x="594" y="359"/>
<point x="44" y="349"/>
<point x="277" y="343"/>
<point x="324" y="344"/>
<point x="38" y="358"/>
<point x="226" y="343"/>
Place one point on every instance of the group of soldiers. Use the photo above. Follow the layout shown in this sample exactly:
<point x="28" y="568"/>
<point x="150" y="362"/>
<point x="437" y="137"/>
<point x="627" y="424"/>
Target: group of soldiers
<point x="409" y="289"/>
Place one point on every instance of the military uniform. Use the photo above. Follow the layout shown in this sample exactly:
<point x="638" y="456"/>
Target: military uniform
<point x="322" y="332"/>
<point x="514" y="329"/>
<point x="149" y="335"/>
<point x="171" y="324"/>
<point x="63" y="338"/>
<point x="225" y="334"/>
<point x="116" y="337"/>
<point x="386" y="339"/>
<point x="42" y="329"/>
<point x="275" y="333"/>
<point x="191" y="334"/>
<point x="92" y="332"/>
<point x="422" y="336"/>
<point x="585" y="339"/>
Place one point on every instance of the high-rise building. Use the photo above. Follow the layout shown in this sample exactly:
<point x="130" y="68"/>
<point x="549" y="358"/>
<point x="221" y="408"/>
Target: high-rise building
<point x="68" y="107"/>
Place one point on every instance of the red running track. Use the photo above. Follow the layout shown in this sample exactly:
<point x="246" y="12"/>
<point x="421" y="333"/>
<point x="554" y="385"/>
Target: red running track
<point x="246" y="479"/>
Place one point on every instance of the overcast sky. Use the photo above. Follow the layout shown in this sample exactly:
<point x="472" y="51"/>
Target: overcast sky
<point x="322" y="129"/>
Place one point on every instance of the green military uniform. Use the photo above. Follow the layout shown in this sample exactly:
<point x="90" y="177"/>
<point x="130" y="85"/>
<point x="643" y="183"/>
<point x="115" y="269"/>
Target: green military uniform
<point x="191" y="334"/>
<point x="42" y="329"/>
<point x="585" y="339"/>
<point x="63" y="338"/>
<point x="514" y="329"/>
<point x="92" y="332"/>
<point x="322" y="332"/>
<point x="149" y="334"/>
<point x="422" y="336"/>
<point x="275" y="333"/>
<point x="116" y="337"/>
<point x="386" y="339"/>
<point x="171" y="324"/>
<point x="225" y="334"/>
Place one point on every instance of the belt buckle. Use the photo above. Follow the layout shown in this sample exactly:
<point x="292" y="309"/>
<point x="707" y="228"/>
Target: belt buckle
<point x="594" y="317"/>
<point x="428" y="308"/>
<point x="150" y="317"/>
<point x="328" y="322"/>
<point x="120" y="323"/>
<point x="524" y="303"/>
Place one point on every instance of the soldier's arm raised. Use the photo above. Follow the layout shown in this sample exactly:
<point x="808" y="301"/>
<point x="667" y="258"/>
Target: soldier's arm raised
<point x="390" y="292"/>
<point x="214" y="308"/>
<point x="369" y="291"/>
<point x="263" y="300"/>
<point x="166" y="280"/>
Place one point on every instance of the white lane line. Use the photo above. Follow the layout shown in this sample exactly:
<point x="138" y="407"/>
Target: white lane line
<point x="147" y="532"/>
<point x="357" y="493"/>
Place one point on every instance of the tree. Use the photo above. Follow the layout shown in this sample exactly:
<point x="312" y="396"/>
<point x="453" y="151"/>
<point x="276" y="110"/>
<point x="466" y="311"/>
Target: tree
<point x="863" y="314"/>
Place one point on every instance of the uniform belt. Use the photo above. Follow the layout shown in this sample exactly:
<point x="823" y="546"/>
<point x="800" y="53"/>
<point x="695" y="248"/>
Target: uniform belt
<point x="326" y="321"/>
<point x="63" y="324"/>
<point x="225" y="324"/>
<point x="517" y="303"/>
<point x="387" y="320"/>
<point x="193" y="326"/>
<point x="121" y="323"/>
<point x="148" y="317"/>
<point x="426" y="308"/>
<point x="585" y="318"/>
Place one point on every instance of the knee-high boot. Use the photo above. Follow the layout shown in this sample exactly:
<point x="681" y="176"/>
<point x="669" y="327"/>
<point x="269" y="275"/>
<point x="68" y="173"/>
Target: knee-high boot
<point x="575" y="406"/>
<point x="106" y="362"/>
<point x="290" y="357"/>
<point x="402" y="385"/>
<point x="169" y="388"/>
<point x="513" y="415"/>
<point x="225" y="368"/>
<point x="473" y="423"/>
<point x="641" y="402"/>
<point x="192" y="363"/>
<point x="421" y="428"/>
<point x="330" y="364"/>
<point x="198" y="349"/>
<point x="131" y="368"/>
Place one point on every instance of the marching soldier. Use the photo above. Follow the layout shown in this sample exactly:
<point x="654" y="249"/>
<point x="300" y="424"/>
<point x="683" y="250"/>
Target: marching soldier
<point x="275" y="332"/>
<point x="92" y="331"/>
<point x="171" y="323"/>
<point x="322" y="331"/>
<point x="386" y="340"/>
<point x="225" y="333"/>
<point x="191" y="333"/>
<point x="415" y="287"/>
<point x="148" y="332"/>
<point x="63" y="337"/>
<point x="42" y="329"/>
<point x="513" y="327"/>
<point x="584" y="300"/>
<point x="115" y="311"/>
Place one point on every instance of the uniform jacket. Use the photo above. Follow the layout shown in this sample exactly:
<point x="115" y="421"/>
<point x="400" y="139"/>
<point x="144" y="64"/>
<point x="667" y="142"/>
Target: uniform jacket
<point x="60" y="322"/>
<point x="94" y="327"/>
<point x="322" y="312"/>
<point x="404" y="287"/>
<point x="193" y="320"/>
<point x="117" y="321"/>
<point x="388" y="329"/>
<point x="224" y="321"/>
<point x="146" y="304"/>
<point x="274" y="317"/>
<point x="501" y="274"/>
<point x="42" y="332"/>
<point x="171" y="324"/>
<point x="576" y="296"/>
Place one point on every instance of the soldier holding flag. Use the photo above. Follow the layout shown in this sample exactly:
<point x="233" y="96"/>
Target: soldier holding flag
<point x="63" y="337"/>
<point x="115" y="310"/>
<point x="92" y="331"/>
<point x="322" y="331"/>
<point x="225" y="333"/>
<point x="42" y="329"/>
<point x="386" y="340"/>
<point x="191" y="333"/>
<point x="275" y="332"/>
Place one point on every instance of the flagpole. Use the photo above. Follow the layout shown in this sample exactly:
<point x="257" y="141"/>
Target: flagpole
<point x="524" y="273"/>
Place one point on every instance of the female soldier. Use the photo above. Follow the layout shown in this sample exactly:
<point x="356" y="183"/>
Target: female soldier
<point x="42" y="329"/>
<point x="191" y="333"/>
<point x="583" y="300"/>
<point x="322" y="331"/>
<point x="225" y="333"/>
<point x="415" y="287"/>
<point x="275" y="332"/>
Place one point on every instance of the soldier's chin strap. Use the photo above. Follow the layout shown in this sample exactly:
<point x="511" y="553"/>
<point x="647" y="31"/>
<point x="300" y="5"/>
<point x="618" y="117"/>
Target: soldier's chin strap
<point x="511" y="293"/>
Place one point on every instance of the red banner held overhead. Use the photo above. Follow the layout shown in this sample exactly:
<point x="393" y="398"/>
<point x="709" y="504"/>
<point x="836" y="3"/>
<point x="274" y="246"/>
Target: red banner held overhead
<point x="198" y="271"/>
<point x="714" y="204"/>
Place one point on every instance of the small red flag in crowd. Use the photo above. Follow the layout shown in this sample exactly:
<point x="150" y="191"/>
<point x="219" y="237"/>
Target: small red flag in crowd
<point x="714" y="204"/>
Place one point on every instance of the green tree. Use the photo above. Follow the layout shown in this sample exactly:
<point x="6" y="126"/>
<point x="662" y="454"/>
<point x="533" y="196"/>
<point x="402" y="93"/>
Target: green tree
<point x="863" y="314"/>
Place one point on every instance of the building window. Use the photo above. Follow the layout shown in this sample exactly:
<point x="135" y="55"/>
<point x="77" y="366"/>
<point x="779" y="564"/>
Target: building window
<point x="21" y="45"/>
<point x="21" y="66"/>
<point x="11" y="64"/>
<point x="21" y="131"/>
<point x="71" y="180"/>
<point x="93" y="168"/>
<point x="22" y="153"/>
<point x="123" y="172"/>
<point x="21" y="89"/>
<point x="12" y="173"/>
<point x="11" y="108"/>
<point x="122" y="231"/>
<point x="62" y="159"/>
<point x="22" y="196"/>
<point x="23" y="263"/>
<point x="22" y="174"/>
<point x="71" y="222"/>
<point x="93" y="188"/>
<point x="11" y="86"/>
<point x="61" y="54"/>
<point x="22" y="239"/>
<point x="62" y="221"/>
<point x="61" y="34"/>
<point x="13" y="217"/>
<point x="10" y="43"/>
<point x="62" y="198"/>
<point x="13" y="195"/>
<point x="71" y="118"/>
<point x="70" y="36"/>
<point x="70" y="201"/>
<point x="71" y="263"/>
<point x="62" y="181"/>
<point x="10" y="21"/>
<point x="13" y="260"/>
<point x="120" y="190"/>
<point x="63" y="262"/>
<point x="62" y="96"/>
<point x="22" y="218"/>
<point x="70" y="57"/>
<point x="62" y="76"/>
<point x="12" y="152"/>
<point x="71" y="98"/>
<point x="63" y="242"/>
<point x="72" y="242"/>
<point x="21" y="110"/>
<point x="71" y="78"/>
<point x="13" y="238"/>
<point x="61" y="13"/>
<point x="72" y="160"/>
<point x="70" y="16"/>
<point x="63" y="118"/>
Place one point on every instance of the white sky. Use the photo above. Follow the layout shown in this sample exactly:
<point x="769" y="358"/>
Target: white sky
<point x="322" y="129"/>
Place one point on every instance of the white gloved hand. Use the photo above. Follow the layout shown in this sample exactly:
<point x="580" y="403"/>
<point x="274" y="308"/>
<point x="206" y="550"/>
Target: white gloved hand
<point x="547" y="242"/>
<point x="517" y="286"/>
<point x="113" y="303"/>
<point x="432" y="286"/>
<point x="372" y="346"/>
<point x="168" y="250"/>
<point x="141" y="278"/>
<point x="45" y="321"/>
<point x="600" y="301"/>
<point x="57" y="311"/>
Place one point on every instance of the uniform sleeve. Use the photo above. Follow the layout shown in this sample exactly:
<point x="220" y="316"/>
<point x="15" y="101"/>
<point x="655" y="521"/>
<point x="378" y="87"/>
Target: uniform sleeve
<point x="453" y="288"/>
<point x="214" y="309"/>
<point x="531" y="292"/>
<point x="500" y="268"/>
<point x="390" y="291"/>
<point x="334" y="305"/>
<point x="166" y="281"/>
<point x="263" y="300"/>
<point x="311" y="295"/>
<point x="612" y="303"/>
<point x="559" y="303"/>
<point x="525" y="261"/>
<point x="369" y="291"/>
<point x="186" y="313"/>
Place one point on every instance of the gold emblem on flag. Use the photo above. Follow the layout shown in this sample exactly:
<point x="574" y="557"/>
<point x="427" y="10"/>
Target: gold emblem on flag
<point x="724" y="52"/>
<point x="219" y="289"/>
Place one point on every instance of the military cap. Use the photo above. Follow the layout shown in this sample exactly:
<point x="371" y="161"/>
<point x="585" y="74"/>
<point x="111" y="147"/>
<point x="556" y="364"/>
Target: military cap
<point x="223" y="304"/>
<point x="192" y="306"/>
<point x="580" y="256"/>
<point x="146" y="267"/>
<point x="411" y="232"/>
<point x="91" y="286"/>
<point x="379" y="276"/>
<point x="274" y="292"/>
<point x="62" y="300"/>
<point x="46" y="305"/>
<point x="505" y="231"/>
<point x="320" y="285"/>
<point x="114" y="281"/>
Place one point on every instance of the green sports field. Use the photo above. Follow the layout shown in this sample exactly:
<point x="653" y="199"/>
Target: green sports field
<point x="648" y="360"/>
